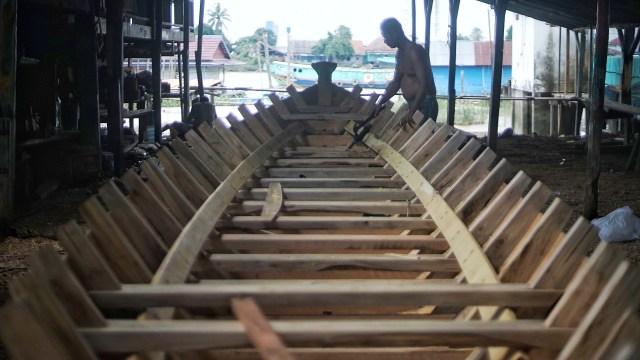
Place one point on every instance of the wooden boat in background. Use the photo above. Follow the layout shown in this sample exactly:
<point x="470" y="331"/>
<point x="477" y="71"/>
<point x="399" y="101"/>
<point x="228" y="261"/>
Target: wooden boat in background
<point x="269" y="240"/>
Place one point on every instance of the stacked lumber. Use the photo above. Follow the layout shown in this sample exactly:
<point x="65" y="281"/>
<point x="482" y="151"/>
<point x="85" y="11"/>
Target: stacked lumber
<point x="266" y="239"/>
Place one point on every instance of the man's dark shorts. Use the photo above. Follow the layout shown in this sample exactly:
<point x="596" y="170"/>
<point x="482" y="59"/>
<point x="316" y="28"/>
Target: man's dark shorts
<point x="429" y="108"/>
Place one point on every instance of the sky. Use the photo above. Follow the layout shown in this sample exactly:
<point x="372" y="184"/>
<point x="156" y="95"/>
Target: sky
<point x="311" y="20"/>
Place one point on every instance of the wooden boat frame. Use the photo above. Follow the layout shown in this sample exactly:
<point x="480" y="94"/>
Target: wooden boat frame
<point x="269" y="240"/>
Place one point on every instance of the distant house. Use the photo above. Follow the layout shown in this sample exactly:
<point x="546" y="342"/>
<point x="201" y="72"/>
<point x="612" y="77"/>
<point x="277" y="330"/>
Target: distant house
<point x="301" y="51"/>
<point x="215" y="56"/>
<point x="359" y="52"/>
<point x="378" y="52"/>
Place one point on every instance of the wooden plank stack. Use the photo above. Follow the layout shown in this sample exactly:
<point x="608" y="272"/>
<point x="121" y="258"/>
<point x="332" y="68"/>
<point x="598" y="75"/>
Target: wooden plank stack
<point x="268" y="240"/>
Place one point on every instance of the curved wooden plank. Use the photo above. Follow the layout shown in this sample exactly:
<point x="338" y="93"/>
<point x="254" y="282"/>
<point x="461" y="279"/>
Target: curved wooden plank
<point x="176" y="265"/>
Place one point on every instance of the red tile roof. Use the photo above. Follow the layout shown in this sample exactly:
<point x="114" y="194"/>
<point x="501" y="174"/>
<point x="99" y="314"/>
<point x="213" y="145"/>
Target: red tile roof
<point x="378" y="46"/>
<point x="213" y="48"/>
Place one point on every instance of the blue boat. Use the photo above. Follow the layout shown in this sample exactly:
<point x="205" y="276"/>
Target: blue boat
<point x="470" y="79"/>
<point x="303" y="75"/>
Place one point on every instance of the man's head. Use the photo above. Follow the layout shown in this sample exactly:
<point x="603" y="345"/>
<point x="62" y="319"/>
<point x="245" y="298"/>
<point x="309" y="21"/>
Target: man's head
<point x="392" y="32"/>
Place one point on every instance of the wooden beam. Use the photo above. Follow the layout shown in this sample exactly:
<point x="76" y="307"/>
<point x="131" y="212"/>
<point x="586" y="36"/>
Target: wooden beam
<point x="133" y="336"/>
<point x="329" y="222"/>
<point x="373" y="207"/>
<point x="329" y="293"/>
<point x="319" y="262"/>
<point x="344" y="194"/>
<point x="273" y="202"/>
<point x="316" y="242"/>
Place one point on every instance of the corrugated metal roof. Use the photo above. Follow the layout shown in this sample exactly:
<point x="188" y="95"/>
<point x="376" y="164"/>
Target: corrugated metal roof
<point x="378" y="46"/>
<point x="574" y="14"/>
<point x="483" y="53"/>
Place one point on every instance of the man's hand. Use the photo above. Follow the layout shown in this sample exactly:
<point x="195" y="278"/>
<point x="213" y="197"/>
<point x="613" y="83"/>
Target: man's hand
<point x="406" y="120"/>
<point x="378" y="109"/>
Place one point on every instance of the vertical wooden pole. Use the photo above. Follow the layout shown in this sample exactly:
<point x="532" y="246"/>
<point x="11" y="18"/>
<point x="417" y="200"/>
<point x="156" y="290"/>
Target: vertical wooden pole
<point x="156" y="58"/>
<point x="114" y="87"/>
<point x="628" y="43"/>
<point x="8" y="12"/>
<point x="428" y="7"/>
<point x="582" y="44"/>
<point x="413" y="20"/>
<point x="590" y="210"/>
<point x="87" y="82"/>
<point x="500" y="9"/>
<point x="567" y="51"/>
<point x="186" y="99"/>
<point x="454" y="6"/>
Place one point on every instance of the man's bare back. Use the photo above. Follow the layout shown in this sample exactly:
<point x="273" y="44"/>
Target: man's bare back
<point x="413" y="74"/>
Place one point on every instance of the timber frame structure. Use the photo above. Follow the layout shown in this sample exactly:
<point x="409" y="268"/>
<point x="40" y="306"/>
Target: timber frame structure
<point x="266" y="239"/>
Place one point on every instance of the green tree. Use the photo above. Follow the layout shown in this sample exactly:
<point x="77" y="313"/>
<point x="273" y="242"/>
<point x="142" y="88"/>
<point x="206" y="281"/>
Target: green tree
<point x="509" y="34"/>
<point x="207" y="30"/>
<point x="545" y="65"/>
<point x="218" y="18"/>
<point x="248" y="48"/>
<point x="336" y="46"/>
<point x="476" y="34"/>
<point x="462" y="37"/>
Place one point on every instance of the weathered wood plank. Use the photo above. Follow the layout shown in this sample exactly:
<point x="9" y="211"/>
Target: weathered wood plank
<point x="335" y="182"/>
<point x="345" y="194"/>
<point x="490" y="217"/>
<point x="167" y="191"/>
<point x="198" y="169"/>
<point x="537" y="244"/>
<point x="373" y="207"/>
<point x="183" y="179"/>
<point x="329" y="222"/>
<point x="273" y="202"/>
<point x="317" y="242"/>
<point x="254" y="125"/>
<point x="320" y="262"/>
<point x="230" y="154"/>
<point x="128" y="336"/>
<point x="87" y="262"/>
<point x="134" y="226"/>
<point x="116" y="248"/>
<point x="257" y="327"/>
<point x="330" y="293"/>
<point x="156" y="212"/>
<point x="513" y="228"/>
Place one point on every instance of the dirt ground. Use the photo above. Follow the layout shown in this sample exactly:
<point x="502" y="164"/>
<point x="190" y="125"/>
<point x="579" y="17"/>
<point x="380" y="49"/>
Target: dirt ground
<point x="559" y="163"/>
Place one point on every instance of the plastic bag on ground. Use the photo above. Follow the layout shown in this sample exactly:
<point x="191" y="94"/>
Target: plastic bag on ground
<point x="619" y="225"/>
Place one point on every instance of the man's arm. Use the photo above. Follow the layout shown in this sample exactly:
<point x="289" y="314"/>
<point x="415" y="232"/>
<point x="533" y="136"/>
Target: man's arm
<point x="392" y="87"/>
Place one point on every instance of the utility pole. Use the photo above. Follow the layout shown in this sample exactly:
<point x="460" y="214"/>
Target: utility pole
<point x="288" y="56"/>
<point x="266" y="57"/>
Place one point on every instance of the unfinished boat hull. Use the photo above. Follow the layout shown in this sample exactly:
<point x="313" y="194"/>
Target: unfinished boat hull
<point x="269" y="240"/>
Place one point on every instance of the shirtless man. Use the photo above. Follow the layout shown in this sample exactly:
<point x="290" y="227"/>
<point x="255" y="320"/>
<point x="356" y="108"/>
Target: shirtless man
<point x="413" y="75"/>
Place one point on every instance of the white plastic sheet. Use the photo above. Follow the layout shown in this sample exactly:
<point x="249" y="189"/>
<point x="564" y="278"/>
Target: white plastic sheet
<point x="619" y="225"/>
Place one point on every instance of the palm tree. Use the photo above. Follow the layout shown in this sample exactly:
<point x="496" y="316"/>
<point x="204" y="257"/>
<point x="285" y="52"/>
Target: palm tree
<point x="217" y="19"/>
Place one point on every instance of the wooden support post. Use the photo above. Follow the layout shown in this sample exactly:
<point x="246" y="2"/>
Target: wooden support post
<point x="428" y="7"/>
<point x="581" y="43"/>
<point x="186" y="29"/>
<point x="87" y="72"/>
<point x="114" y="78"/>
<point x="500" y="8"/>
<point x="8" y="21"/>
<point x="156" y="58"/>
<point x="454" y="5"/>
<point x="628" y="42"/>
<point x="594" y="133"/>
